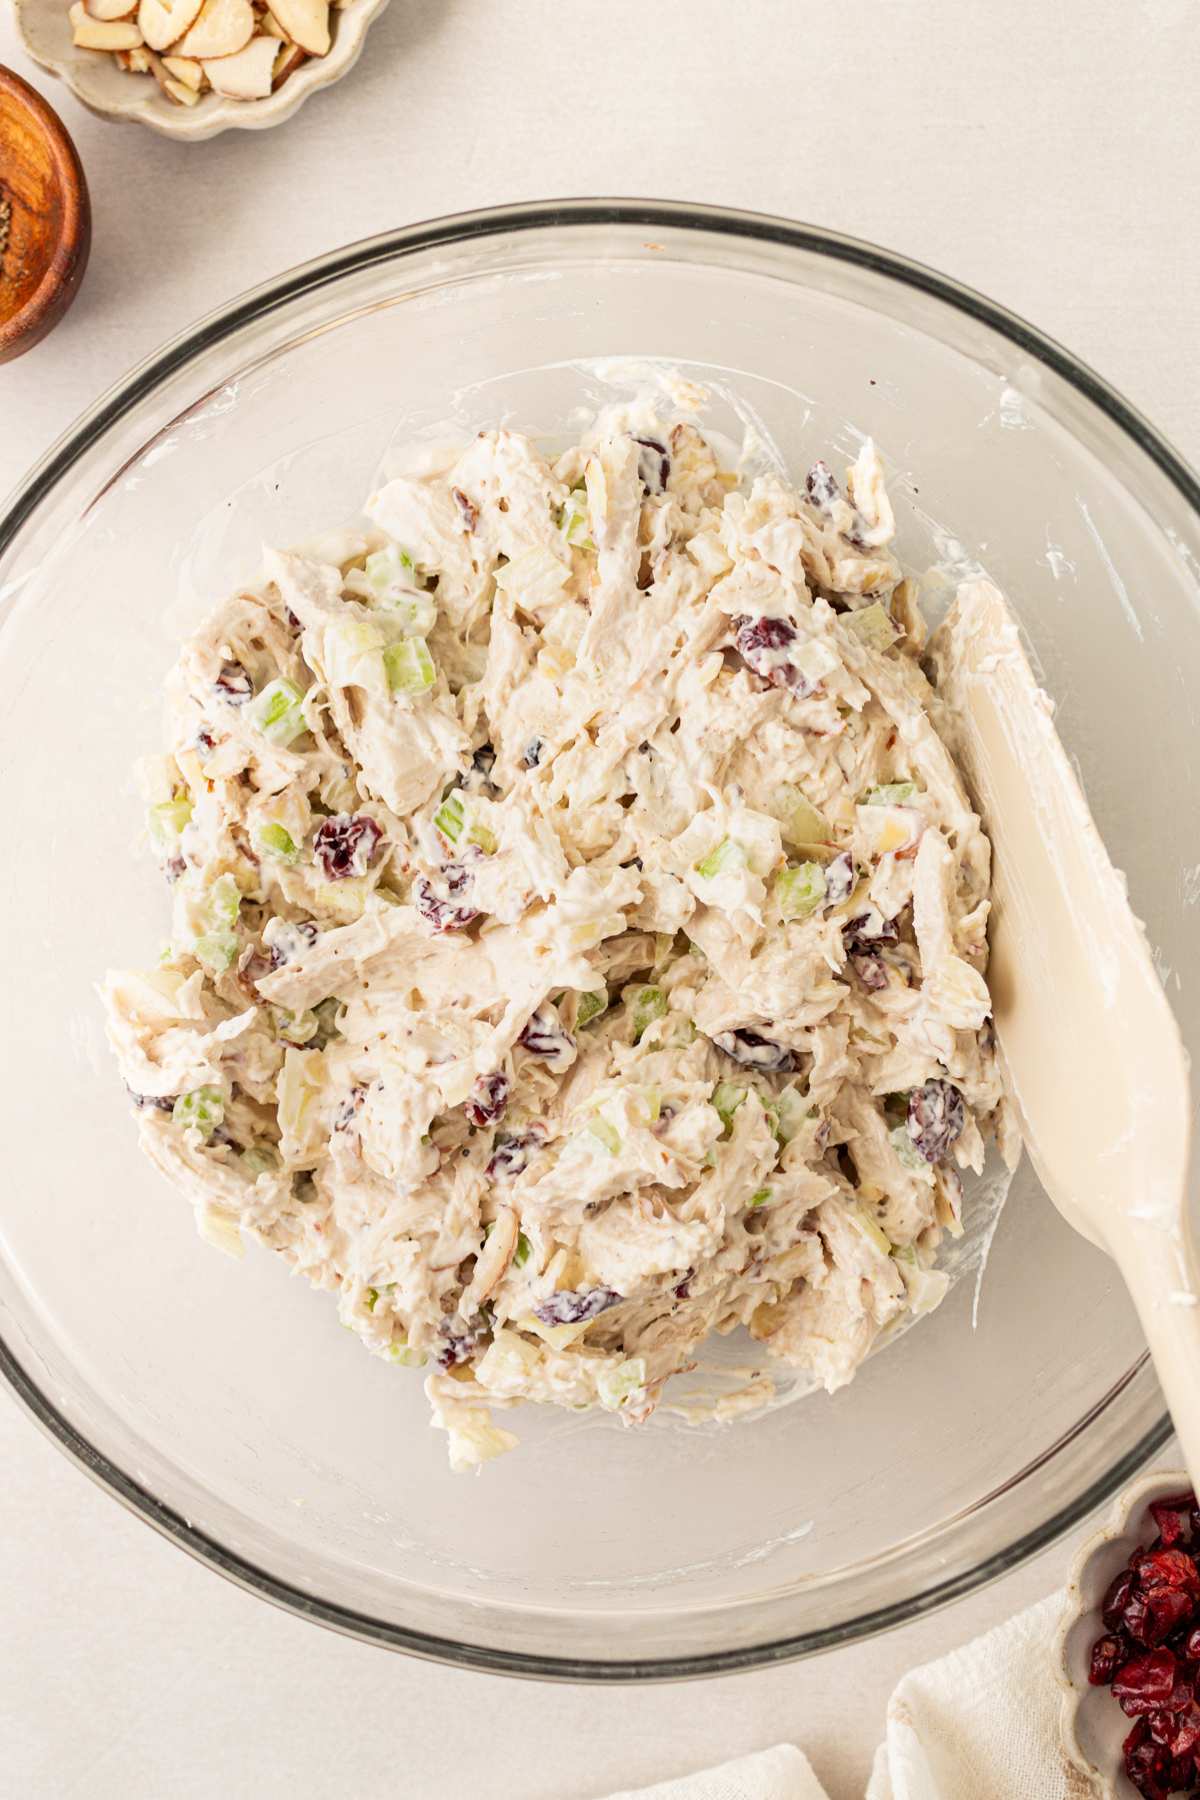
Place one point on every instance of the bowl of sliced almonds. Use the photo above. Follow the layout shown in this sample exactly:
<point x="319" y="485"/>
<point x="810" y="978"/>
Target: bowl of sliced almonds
<point x="193" y="68"/>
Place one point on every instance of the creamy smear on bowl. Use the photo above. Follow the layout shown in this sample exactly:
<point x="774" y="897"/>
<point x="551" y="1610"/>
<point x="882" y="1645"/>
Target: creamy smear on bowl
<point x="578" y="925"/>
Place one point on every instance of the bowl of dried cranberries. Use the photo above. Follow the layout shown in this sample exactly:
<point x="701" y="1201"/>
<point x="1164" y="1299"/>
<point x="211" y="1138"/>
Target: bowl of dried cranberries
<point x="1130" y="1647"/>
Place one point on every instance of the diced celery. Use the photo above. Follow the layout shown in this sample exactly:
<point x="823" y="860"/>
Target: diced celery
<point x="799" y="820"/>
<point x="416" y="614"/>
<point x="891" y="793"/>
<point x="326" y="1012"/>
<point x="574" y="522"/>
<point x="202" y="1110"/>
<point x="873" y="624"/>
<point x="722" y="861"/>
<point x="523" y="1250"/>
<point x="298" y="1028"/>
<point x="605" y="1134"/>
<point x="352" y="650"/>
<point x="485" y="839"/>
<point x="725" y="1100"/>
<point x="259" y="1159"/>
<point x="590" y="1007"/>
<point x="277" y="711"/>
<point x="450" y="817"/>
<point x="371" y="1299"/>
<point x="799" y="891"/>
<point x="165" y="822"/>
<point x="792" y="1111"/>
<point x="224" y="901"/>
<point x="649" y="1003"/>
<point x="387" y="568"/>
<point x="615" y="1384"/>
<point x="907" y="1151"/>
<point x="400" y="1352"/>
<point x="217" y="949"/>
<point x="275" y="840"/>
<point x="759" y="1199"/>
<point x="409" y="666"/>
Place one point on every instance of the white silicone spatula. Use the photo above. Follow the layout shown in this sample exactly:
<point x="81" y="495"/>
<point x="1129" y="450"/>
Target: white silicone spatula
<point x="1097" y="1067"/>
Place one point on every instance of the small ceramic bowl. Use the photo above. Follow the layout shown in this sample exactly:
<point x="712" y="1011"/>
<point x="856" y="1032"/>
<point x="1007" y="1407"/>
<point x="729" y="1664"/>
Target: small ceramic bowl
<point x="113" y="93"/>
<point x="1093" y="1725"/>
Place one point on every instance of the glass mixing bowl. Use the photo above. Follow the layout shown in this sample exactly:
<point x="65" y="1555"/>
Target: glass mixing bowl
<point x="221" y="1401"/>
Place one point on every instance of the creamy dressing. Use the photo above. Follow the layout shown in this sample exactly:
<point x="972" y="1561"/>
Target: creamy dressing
<point x="579" y="926"/>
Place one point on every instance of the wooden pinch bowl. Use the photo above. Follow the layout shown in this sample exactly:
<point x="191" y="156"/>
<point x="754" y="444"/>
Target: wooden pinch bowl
<point x="45" y="218"/>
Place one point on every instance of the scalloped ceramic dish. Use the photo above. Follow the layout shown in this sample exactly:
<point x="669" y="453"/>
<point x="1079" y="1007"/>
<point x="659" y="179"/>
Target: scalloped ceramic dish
<point x="113" y="93"/>
<point x="1093" y="1725"/>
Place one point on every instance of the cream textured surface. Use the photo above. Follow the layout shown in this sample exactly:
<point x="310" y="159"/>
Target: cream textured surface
<point x="979" y="140"/>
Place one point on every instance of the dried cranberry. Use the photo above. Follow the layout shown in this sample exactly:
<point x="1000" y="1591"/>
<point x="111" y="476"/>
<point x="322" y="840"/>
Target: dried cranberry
<point x="839" y="879"/>
<point x="488" y="1099"/>
<point x="345" y="845"/>
<point x="545" y="1038"/>
<point x="1169" y="1569"/>
<point x="445" y="911"/>
<point x="861" y="932"/>
<point x="460" y="1345"/>
<point x="234" y="684"/>
<point x="1145" y="1684"/>
<point x="821" y="486"/>
<point x="1191" y="1644"/>
<point x="173" y="868"/>
<point x="1151" y="1618"/>
<point x="466" y="507"/>
<point x="683" y="1289"/>
<point x="936" y="1116"/>
<point x="1108" y="1655"/>
<point x="871" y="970"/>
<point x="1117" y="1599"/>
<point x="764" y="645"/>
<point x="1173" y="1518"/>
<point x="1147" y="1764"/>
<point x="512" y="1154"/>
<point x="754" y="1051"/>
<point x="1185" y="1736"/>
<point x="567" y="1308"/>
<point x="204" y="741"/>
<point x="654" y="465"/>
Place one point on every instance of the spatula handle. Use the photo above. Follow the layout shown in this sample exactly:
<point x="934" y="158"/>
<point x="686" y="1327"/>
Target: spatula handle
<point x="1160" y="1268"/>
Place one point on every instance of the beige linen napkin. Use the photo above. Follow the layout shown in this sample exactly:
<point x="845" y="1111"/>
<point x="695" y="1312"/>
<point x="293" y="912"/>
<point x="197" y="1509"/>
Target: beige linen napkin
<point x="979" y="1724"/>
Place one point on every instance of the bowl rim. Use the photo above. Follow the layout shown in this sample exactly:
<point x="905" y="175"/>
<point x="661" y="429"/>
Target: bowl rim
<point x="91" y="426"/>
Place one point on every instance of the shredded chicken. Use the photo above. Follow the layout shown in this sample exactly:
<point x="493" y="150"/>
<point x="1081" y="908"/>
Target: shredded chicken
<point x="579" y="927"/>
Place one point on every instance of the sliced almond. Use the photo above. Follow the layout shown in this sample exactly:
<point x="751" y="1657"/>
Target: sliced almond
<point x="223" y="28"/>
<point x="136" y="61"/>
<point x="246" y="76"/>
<point x="290" y="56"/>
<point x="306" y="22"/>
<point x="175" y="90"/>
<point x="163" y="21"/>
<point x="182" y="68"/>
<point x="270" y="27"/>
<point x="108" y="10"/>
<point x="98" y="34"/>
